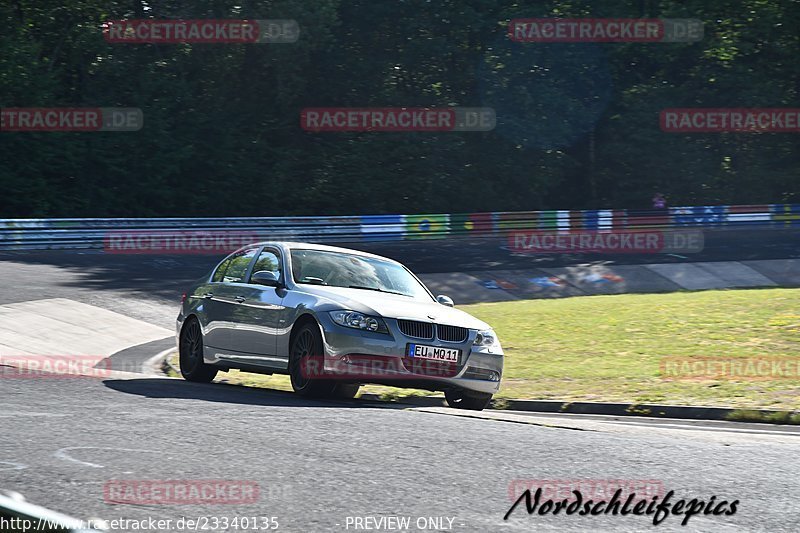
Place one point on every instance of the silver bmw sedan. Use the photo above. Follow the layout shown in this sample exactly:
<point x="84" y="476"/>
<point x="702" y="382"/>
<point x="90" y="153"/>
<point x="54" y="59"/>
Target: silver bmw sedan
<point x="333" y="319"/>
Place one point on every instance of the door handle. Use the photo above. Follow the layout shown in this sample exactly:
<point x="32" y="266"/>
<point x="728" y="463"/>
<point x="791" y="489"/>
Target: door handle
<point x="208" y="295"/>
<point x="240" y="299"/>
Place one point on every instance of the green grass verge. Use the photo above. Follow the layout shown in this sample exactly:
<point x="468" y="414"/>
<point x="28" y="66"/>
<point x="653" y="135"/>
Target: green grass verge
<point x="748" y="415"/>
<point x="609" y="348"/>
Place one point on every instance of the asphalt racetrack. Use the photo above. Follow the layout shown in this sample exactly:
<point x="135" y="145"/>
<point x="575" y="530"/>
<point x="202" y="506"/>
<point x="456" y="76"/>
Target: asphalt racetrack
<point x="342" y="466"/>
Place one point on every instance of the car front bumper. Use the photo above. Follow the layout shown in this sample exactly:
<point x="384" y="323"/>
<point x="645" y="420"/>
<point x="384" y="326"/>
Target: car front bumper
<point x="360" y="356"/>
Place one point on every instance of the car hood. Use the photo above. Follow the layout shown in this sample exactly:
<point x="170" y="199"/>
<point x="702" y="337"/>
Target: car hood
<point x="394" y="306"/>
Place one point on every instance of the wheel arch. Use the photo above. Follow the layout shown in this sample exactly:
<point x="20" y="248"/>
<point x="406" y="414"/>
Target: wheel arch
<point x="187" y="319"/>
<point x="302" y="320"/>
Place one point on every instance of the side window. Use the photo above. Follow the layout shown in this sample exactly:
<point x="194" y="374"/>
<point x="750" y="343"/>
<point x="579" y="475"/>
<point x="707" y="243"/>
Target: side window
<point x="220" y="272"/>
<point x="238" y="265"/>
<point x="268" y="260"/>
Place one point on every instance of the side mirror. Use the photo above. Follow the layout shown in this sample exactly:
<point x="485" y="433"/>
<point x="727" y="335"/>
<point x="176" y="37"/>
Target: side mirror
<point x="445" y="300"/>
<point x="265" y="277"/>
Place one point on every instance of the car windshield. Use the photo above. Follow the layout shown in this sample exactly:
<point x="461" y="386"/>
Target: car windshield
<point x="336" y="269"/>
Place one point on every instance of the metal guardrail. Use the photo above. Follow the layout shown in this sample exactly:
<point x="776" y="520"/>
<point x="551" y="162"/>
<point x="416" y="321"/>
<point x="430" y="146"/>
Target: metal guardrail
<point x="99" y="233"/>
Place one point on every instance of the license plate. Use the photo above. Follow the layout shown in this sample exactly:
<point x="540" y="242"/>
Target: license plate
<point x="433" y="353"/>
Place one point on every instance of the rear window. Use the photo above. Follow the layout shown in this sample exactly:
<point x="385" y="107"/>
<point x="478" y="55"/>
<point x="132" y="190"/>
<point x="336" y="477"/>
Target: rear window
<point x="220" y="272"/>
<point x="233" y="269"/>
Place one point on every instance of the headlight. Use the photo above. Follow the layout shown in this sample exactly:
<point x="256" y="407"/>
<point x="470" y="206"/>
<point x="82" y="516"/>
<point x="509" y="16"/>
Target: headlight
<point x="485" y="338"/>
<point x="352" y="319"/>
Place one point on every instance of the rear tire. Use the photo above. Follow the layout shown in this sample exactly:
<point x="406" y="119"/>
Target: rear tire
<point x="306" y="363"/>
<point x="473" y="401"/>
<point x="193" y="367"/>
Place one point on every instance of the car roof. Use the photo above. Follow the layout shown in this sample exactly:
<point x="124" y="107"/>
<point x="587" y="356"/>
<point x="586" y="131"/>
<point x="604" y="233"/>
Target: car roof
<point x="291" y="245"/>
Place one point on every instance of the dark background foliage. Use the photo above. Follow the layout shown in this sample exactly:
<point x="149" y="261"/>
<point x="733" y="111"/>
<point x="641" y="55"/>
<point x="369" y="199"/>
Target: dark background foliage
<point x="577" y="123"/>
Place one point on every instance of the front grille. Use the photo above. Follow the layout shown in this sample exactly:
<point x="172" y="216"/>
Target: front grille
<point x="451" y="333"/>
<point x="418" y="330"/>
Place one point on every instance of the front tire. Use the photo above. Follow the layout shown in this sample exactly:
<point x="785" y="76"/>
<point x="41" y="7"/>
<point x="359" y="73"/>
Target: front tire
<point x="346" y="391"/>
<point x="306" y="363"/>
<point x="473" y="401"/>
<point x="193" y="368"/>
